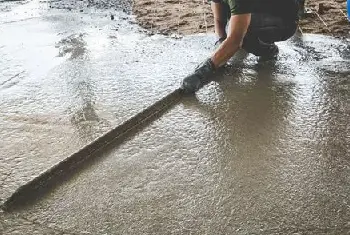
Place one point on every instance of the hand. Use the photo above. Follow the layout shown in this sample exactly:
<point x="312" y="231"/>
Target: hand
<point x="199" y="78"/>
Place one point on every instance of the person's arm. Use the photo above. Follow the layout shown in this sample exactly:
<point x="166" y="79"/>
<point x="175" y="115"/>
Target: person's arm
<point x="237" y="29"/>
<point x="220" y="20"/>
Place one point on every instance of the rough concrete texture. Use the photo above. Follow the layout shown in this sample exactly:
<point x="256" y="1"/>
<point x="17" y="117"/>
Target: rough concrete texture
<point x="264" y="150"/>
<point x="83" y="5"/>
<point x="68" y="77"/>
<point x="15" y="225"/>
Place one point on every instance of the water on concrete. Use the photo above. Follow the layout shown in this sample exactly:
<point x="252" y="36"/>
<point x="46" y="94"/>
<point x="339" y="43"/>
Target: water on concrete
<point x="67" y="77"/>
<point x="263" y="150"/>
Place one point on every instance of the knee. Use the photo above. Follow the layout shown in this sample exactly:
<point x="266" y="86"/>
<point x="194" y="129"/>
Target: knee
<point x="289" y="31"/>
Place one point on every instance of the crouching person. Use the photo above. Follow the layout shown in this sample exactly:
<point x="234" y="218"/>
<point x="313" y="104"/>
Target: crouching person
<point x="254" y="25"/>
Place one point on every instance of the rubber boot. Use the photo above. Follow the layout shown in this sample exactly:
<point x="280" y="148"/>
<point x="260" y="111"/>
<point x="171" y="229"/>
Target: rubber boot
<point x="266" y="51"/>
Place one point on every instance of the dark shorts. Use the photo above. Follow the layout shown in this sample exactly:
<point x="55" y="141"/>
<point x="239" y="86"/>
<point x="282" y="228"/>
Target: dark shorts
<point x="268" y="29"/>
<point x="265" y="28"/>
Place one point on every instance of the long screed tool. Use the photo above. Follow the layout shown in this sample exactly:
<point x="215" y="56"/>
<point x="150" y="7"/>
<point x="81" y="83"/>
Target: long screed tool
<point x="52" y="177"/>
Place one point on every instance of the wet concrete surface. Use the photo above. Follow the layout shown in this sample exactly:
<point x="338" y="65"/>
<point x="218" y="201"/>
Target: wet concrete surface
<point x="263" y="150"/>
<point x="12" y="224"/>
<point x="67" y="77"/>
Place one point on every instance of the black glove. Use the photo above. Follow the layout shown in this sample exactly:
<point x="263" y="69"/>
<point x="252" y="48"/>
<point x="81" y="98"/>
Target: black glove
<point x="219" y="41"/>
<point x="199" y="78"/>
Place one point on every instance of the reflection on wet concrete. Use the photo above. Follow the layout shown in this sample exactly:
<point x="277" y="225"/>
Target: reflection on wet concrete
<point x="73" y="44"/>
<point x="83" y="110"/>
<point x="263" y="150"/>
<point x="68" y="77"/>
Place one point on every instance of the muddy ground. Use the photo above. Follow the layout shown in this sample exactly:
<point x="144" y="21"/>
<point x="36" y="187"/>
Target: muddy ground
<point x="188" y="17"/>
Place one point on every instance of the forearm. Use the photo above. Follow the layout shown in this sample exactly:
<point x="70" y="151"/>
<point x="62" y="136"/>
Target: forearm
<point x="226" y="50"/>
<point x="238" y="28"/>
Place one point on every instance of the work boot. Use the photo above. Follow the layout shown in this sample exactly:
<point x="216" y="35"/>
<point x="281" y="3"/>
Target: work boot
<point x="265" y="50"/>
<point x="269" y="53"/>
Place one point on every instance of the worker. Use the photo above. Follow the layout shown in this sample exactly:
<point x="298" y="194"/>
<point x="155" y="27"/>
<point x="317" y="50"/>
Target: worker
<point x="254" y="25"/>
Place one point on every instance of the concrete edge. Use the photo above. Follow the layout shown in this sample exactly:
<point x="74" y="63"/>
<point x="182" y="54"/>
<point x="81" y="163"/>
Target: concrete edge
<point x="51" y="176"/>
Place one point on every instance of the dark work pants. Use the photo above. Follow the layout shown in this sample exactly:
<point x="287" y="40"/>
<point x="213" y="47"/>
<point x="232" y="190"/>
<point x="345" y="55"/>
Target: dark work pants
<point x="266" y="29"/>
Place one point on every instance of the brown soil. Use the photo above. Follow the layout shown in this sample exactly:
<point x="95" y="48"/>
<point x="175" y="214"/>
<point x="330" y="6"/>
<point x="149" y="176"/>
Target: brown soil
<point x="188" y="17"/>
<point x="326" y="17"/>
